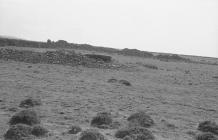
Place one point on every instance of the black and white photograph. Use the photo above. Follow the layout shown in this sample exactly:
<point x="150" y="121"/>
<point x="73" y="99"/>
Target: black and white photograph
<point x="108" y="69"/>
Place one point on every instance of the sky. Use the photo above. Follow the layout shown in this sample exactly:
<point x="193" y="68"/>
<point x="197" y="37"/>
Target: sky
<point x="173" y="26"/>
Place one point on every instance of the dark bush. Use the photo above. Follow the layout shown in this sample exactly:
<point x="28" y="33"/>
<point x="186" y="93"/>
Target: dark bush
<point x="131" y="131"/>
<point x="125" y="82"/>
<point x="28" y="117"/>
<point x="18" y="132"/>
<point x="98" y="57"/>
<point x="39" y="131"/>
<point x="101" y="120"/>
<point x="75" y="129"/>
<point x="208" y="126"/>
<point x="30" y="102"/>
<point x="206" y="136"/>
<point x="140" y="119"/>
<point x="91" y="134"/>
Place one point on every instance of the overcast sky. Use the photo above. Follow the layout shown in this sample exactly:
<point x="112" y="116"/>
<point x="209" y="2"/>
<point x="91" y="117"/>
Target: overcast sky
<point x="173" y="26"/>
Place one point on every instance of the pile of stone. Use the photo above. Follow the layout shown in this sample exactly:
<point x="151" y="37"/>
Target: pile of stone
<point x="62" y="57"/>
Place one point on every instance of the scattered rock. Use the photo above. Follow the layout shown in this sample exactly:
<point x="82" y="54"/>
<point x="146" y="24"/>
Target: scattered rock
<point x="75" y="129"/>
<point x="39" y="131"/>
<point x="215" y="77"/>
<point x="35" y="71"/>
<point x="30" y="102"/>
<point x="140" y="119"/>
<point x="91" y="134"/>
<point x="208" y="126"/>
<point x="206" y="136"/>
<point x="28" y="117"/>
<point x="150" y="66"/>
<point x="187" y="72"/>
<point x="125" y="82"/>
<point x="112" y="80"/>
<point x="134" y="131"/>
<point x="102" y="120"/>
<point x="61" y="112"/>
<point x="12" y="109"/>
<point x="190" y="83"/>
<point x="18" y="132"/>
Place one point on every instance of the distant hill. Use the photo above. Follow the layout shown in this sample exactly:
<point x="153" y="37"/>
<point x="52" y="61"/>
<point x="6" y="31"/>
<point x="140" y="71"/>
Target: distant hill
<point x="18" y="42"/>
<point x="10" y="37"/>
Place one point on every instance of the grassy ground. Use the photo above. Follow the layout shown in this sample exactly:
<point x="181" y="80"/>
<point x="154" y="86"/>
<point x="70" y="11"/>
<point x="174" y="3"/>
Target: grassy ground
<point x="177" y="95"/>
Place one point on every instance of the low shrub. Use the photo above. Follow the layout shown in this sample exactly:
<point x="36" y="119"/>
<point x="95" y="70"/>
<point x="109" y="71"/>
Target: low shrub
<point x="138" y="137"/>
<point x="140" y="119"/>
<point x="208" y="126"/>
<point x="19" y="132"/>
<point x="91" y="134"/>
<point x="39" y="131"/>
<point x="30" y="102"/>
<point x="28" y="117"/>
<point x="75" y="129"/>
<point x="101" y="120"/>
<point x="206" y="136"/>
<point x="133" y="131"/>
